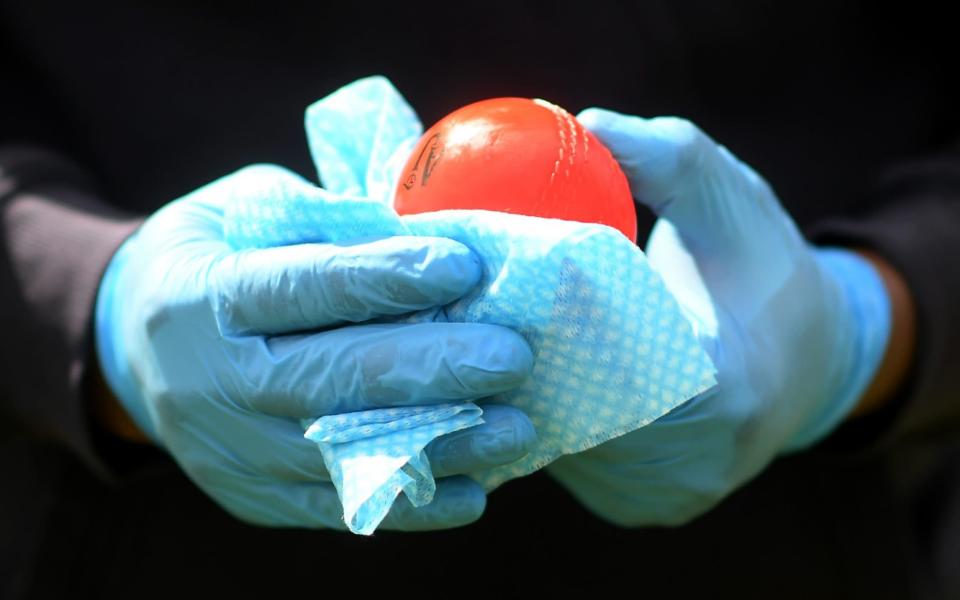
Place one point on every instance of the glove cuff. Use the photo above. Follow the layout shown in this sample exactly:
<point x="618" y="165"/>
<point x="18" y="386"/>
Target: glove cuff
<point x="866" y="309"/>
<point x="110" y="338"/>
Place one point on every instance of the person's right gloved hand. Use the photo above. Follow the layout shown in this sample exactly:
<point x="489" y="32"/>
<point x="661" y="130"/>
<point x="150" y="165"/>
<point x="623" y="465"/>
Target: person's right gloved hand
<point x="216" y="352"/>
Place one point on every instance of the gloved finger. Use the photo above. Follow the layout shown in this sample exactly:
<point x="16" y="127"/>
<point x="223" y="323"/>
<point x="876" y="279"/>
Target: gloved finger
<point x="458" y="501"/>
<point x="716" y="202"/>
<point x="505" y="436"/>
<point x="374" y="366"/>
<point x="267" y="446"/>
<point x="262" y="501"/>
<point x="275" y="447"/>
<point x="308" y="286"/>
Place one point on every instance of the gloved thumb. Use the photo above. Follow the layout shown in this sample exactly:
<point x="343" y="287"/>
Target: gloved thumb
<point x="719" y="206"/>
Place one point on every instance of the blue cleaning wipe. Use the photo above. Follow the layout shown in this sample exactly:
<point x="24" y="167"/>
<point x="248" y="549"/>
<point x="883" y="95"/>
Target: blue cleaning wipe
<point x="612" y="349"/>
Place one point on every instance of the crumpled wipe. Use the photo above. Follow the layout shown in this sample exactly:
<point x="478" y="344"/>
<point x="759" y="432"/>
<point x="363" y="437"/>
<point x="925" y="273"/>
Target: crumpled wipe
<point x="374" y="455"/>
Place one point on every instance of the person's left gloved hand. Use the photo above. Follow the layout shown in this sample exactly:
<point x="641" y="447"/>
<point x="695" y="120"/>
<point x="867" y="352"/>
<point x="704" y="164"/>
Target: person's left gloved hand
<point x="796" y="332"/>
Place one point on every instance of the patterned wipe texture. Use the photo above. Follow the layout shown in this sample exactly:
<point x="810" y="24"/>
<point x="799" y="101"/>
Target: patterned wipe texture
<point x="612" y="350"/>
<point x="374" y="455"/>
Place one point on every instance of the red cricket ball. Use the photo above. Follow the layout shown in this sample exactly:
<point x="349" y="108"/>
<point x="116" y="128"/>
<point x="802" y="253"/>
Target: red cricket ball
<point x="520" y="156"/>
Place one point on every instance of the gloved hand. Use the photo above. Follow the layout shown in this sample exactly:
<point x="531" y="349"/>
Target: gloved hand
<point x="217" y="352"/>
<point x="796" y="332"/>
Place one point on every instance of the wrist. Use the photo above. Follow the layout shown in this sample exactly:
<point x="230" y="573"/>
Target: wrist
<point x="898" y="357"/>
<point x="106" y="411"/>
<point x="119" y="404"/>
<point x="859" y="336"/>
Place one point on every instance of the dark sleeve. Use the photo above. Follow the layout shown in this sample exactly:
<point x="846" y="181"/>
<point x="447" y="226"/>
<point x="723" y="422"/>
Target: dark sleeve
<point x="56" y="238"/>
<point x="916" y="228"/>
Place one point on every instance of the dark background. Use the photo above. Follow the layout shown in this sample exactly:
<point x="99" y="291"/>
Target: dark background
<point x="160" y="98"/>
<point x="157" y="98"/>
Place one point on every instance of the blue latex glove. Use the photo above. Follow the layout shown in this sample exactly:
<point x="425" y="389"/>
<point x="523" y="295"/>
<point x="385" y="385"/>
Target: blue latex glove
<point x="217" y="352"/>
<point x="796" y="332"/>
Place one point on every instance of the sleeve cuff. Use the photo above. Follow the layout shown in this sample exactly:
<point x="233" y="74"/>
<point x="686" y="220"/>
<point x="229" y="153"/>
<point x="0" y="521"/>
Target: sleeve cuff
<point x="58" y="238"/>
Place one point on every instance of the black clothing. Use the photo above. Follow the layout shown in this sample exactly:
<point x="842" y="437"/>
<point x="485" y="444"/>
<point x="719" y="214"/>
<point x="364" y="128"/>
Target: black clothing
<point x="848" y="111"/>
